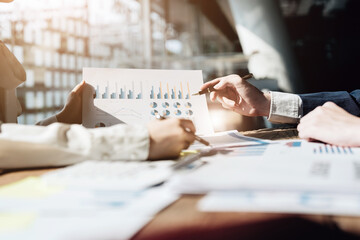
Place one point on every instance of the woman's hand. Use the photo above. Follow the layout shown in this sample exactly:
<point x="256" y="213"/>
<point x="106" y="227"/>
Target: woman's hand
<point x="168" y="137"/>
<point x="72" y="111"/>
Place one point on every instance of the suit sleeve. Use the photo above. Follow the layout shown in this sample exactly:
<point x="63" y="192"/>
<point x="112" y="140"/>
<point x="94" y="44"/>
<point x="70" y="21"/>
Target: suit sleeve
<point x="348" y="101"/>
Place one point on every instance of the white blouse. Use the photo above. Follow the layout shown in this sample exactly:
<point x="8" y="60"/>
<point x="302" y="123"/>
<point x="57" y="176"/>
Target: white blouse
<point x="24" y="146"/>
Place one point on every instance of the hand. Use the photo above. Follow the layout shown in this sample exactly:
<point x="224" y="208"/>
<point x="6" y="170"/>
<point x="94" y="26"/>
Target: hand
<point x="72" y="111"/>
<point x="331" y="124"/>
<point x="237" y="94"/>
<point x="168" y="137"/>
<point x="12" y="73"/>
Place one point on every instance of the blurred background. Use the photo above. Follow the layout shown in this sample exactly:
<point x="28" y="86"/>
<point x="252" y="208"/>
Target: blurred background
<point x="290" y="45"/>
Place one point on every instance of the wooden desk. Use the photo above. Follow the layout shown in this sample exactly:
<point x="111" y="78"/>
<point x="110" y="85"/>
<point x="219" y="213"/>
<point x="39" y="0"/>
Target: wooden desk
<point x="182" y="220"/>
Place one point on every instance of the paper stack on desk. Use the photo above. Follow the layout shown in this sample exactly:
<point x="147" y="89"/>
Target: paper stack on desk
<point x="262" y="177"/>
<point x="282" y="202"/>
<point x="85" y="201"/>
<point x="117" y="175"/>
<point x="289" y="165"/>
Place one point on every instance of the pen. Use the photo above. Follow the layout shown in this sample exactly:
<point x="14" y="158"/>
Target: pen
<point x="211" y="89"/>
<point x="186" y="160"/>
<point x="201" y="140"/>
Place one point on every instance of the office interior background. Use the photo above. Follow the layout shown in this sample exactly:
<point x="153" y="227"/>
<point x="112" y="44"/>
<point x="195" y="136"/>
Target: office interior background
<point x="55" y="39"/>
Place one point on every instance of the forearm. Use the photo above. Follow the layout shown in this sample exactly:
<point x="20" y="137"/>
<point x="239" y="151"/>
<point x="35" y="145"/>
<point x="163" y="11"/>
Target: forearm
<point x="345" y="100"/>
<point x="119" y="142"/>
<point x="289" y="108"/>
<point x="352" y="133"/>
<point x="61" y="144"/>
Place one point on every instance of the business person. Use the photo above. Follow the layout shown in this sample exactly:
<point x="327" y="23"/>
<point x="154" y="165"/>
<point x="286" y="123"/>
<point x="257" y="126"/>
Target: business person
<point x="60" y="144"/>
<point x="237" y="94"/>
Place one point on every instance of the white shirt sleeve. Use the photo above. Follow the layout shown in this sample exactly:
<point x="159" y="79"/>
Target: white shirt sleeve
<point x="285" y="108"/>
<point x="47" y="121"/>
<point x="23" y="146"/>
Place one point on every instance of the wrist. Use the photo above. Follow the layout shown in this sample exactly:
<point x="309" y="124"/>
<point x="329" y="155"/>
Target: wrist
<point x="151" y="142"/>
<point x="59" y="117"/>
<point x="266" y="105"/>
<point x="69" y="116"/>
<point x="356" y="130"/>
<point x="64" y="117"/>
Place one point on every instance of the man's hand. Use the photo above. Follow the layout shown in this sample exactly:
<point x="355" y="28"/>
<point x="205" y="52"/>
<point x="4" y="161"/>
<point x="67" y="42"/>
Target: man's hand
<point x="168" y="137"/>
<point x="72" y="111"/>
<point x="237" y="94"/>
<point x="331" y="124"/>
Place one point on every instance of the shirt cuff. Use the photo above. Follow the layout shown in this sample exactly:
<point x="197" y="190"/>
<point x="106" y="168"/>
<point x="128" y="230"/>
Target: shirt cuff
<point x="47" y="121"/>
<point x="285" y="108"/>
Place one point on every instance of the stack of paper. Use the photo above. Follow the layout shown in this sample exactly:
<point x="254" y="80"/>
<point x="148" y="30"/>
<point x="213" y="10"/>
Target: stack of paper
<point x="282" y="202"/>
<point x="125" y="176"/>
<point x="68" y="204"/>
<point x="289" y="165"/>
<point x="262" y="177"/>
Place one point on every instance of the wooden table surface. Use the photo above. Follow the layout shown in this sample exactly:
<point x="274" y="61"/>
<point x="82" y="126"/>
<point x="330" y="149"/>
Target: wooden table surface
<point x="182" y="220"/>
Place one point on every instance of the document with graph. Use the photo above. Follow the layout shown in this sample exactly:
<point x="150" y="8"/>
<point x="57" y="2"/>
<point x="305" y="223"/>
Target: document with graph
<point x="137" y="95"/>
<point x="289" y="165"/>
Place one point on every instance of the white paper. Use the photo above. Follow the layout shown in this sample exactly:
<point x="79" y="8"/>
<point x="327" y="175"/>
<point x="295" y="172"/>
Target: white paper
<point x="281" y="202"/>
<point x="119" y="175"/>
<point x="87" y="201"/>
<point x="134" y="95"/>
<point x="278" y="166"/>
<point x="85" y="214"/>
<point x="304" y="148"/>
<point x="90" y="226"/>
<point x="228" y="139"/>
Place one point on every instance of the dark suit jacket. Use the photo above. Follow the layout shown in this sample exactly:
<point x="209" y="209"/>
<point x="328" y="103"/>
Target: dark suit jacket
<point x="348" y="101"/>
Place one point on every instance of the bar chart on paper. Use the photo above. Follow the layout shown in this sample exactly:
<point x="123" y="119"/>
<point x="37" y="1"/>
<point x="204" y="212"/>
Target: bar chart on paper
<point x="308" y="149"/>
<point x="321" y="149"/>
<point x="119" y="91"/>
<point x="324" y="149"/>
<point x="138" y="95"/>
<point x="173" y="92"/>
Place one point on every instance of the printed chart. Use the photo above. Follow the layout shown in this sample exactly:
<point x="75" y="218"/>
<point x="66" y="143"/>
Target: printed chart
<point x="330" y="149"/>
<point x="137" y="95"/>
<point x="247" y="151"/>
<point x="119" y="91"/>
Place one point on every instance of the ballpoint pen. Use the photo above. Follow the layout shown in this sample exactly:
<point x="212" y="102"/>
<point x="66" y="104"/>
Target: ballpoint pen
<point x="211" y="89"/>
<point x="199" y="139"/>
<point x="186" y="160"/>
